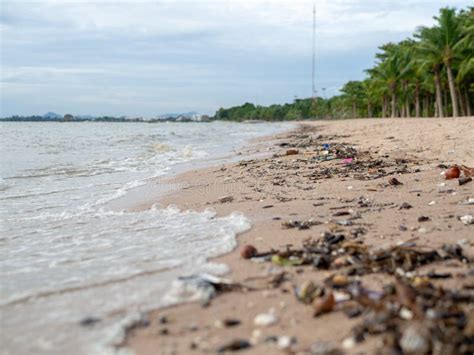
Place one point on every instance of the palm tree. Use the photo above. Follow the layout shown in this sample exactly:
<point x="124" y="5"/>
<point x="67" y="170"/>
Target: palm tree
<point x="438" y="45"/>
<point x="465" y="47"/>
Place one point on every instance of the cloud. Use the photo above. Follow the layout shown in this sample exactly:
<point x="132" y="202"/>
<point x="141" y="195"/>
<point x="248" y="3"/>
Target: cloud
<point x="193" y="54"/>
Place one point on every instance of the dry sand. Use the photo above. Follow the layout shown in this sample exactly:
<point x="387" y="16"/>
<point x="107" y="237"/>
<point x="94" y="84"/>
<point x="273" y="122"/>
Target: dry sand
<point x="298" y="187"/>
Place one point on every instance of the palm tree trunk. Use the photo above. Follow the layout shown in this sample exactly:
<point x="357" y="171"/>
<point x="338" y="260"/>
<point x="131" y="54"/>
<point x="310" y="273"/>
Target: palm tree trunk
<point x="417" y="99"/>
<point x="461" y="102"/>
<point x="394" y="102"/>
<point x="407" y="101"/>
<point x="384" y="100"/>
<point x="439" y="98"/>
<point x="354" y="110"/>
<point x="468" y="102"/>
<point x="369" y="109"/>
<point x="452" y="90"/>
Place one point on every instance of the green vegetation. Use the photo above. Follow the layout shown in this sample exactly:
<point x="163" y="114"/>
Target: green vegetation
<point x="429" y="75"/>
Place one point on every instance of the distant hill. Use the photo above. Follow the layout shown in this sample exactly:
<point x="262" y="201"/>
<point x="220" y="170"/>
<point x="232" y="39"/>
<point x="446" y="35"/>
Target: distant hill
<point x="176" y="115"/>
<point x="52" y="115"/>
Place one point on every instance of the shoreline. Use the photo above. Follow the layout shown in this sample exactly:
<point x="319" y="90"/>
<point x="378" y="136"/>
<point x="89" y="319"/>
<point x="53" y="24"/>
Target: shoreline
<point x="291" y="187"/>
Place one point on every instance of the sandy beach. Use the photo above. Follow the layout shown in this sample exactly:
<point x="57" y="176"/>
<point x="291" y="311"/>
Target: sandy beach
<point x="376" y="182"/>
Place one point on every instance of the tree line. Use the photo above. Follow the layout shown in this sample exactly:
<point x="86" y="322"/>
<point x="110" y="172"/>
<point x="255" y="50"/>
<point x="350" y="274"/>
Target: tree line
<point x="430" y="74"/>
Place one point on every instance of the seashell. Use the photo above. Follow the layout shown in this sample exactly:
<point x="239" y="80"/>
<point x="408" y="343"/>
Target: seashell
<point x="248" y="251"/>
<point x="324" y="304"/>
<point x="452" y="173"/>
<point x="308" y="291"/>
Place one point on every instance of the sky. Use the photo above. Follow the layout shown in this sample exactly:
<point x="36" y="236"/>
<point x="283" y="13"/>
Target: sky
<point x="144" y="58"/>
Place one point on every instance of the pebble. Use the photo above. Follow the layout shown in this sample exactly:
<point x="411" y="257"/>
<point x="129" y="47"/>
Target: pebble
<point x="89" y="321"/>
<point x="227" y="323"/>
<point x="292" y="152"/>
<point x="348" y="343"/>
<point x="226" y="199"/>
<point x="324" y="348"/>
<point x="467" y="219"/>
<point x="265" y="319"/>
<point x="415" y="340"/>
<point x="324" y="304"/>
<point x="248" y="251"/>
<point x="285" y="342"/>
<point x="432" y="203"/>
<point x="452" y="173"/>
<point x="234" y="345"/>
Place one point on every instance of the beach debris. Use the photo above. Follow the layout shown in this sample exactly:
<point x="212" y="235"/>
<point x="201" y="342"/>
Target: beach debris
<point x="199" y="287"/>
<point x="423" y="219"/>
<point x="248" y="251"/>
<point x="324" y="304"/>
<point x="464" y="180"/>
<point x="452" y="173"/>
<point x="301" y="224"/>
<point x="308" y="291"/>
<point x="292" y="152"/>
<point x="467" y="219"/>
<point x="347" y="161"/>
<point x="286" y="261"/>
<point x="226" y="199"/>
<point x="266" y="319"/>
<point x="234" y="345"/>
<point x="468" y="172"/>
<point x="394" y="181"/>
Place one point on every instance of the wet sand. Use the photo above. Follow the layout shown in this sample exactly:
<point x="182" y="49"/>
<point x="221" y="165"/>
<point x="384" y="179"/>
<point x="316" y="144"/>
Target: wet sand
<point x="353" y="198"/>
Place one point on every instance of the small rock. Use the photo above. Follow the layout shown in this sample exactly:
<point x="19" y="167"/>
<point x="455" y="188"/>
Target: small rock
<point x="465" y="180"/>
<point x="405" y="206"/>
<point x="423" y="218"/>
<point x="467" y="219"/>
<point x="292" y="152"/>
<point x="265" y="319"/>
<point x="452" y="173"/>
<point x="285" y="342"/>
<point x="89" y="321"/>
<point x="234" y="345"/>
<point x="324" y="304"/>
<point x="415" y="340"/>
<point x="248" y="251"/>
<point x="394" y="181"/>
<point x="432" y="203"/>
<point x="348" y="343"/>
<point x="226" y="199"/>
<point x="227" y="323"/>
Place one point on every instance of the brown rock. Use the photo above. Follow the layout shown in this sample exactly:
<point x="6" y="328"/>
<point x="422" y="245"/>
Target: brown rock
<point x="248" y="251"/>
<point x="452" y="173"/>
<point x="324" y="304"/>
<point x="292" y="152"/>
<point x="394" y="182"/>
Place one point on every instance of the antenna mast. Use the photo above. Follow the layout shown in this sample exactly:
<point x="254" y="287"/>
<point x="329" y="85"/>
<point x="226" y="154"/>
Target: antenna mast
<point x="313" y="91"/>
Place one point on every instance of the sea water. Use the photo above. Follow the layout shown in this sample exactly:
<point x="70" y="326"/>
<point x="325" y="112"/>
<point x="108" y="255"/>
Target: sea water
<point x="66" y="256"/>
